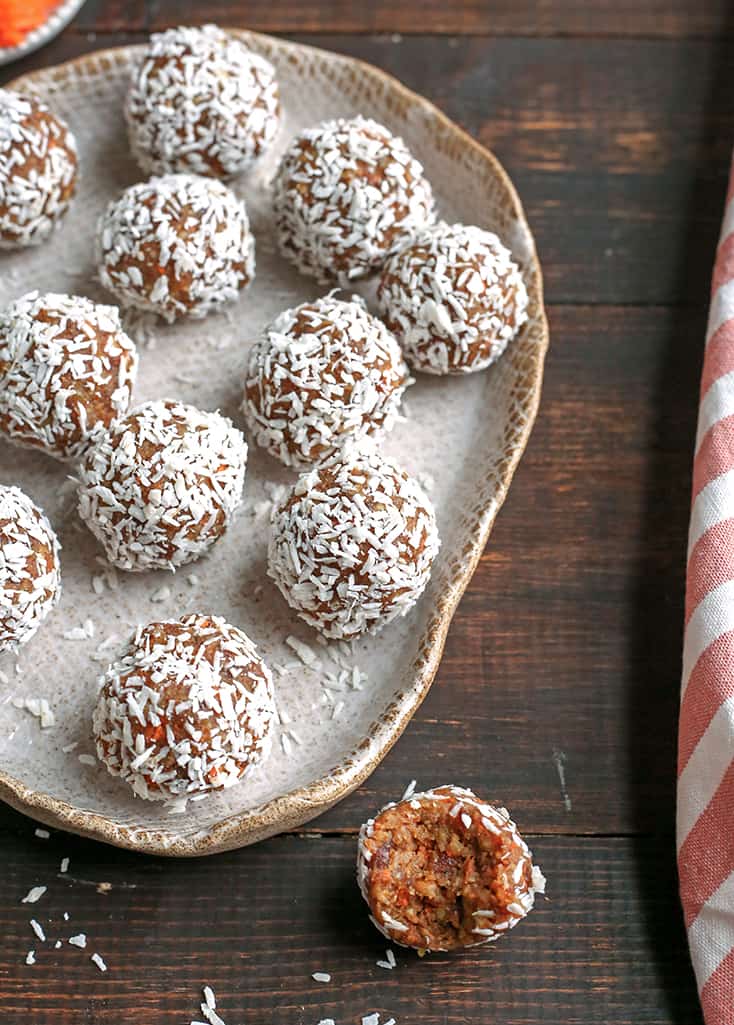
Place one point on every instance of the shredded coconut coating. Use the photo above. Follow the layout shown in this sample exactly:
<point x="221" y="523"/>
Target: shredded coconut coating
<point x="30" y="571"/>
<point x="162" y="485"/>
<point x="411" y="846"/>
<point x="38" y="170"/>
<point x="353" y="544"/>
<point x="186" y="710"/>
<point x="454" y="298"/>
<point x="347" y="193"/>
<point x="201" y="102"/>
<point x="324" y="371"/>
<point x="66" y="371"/>
<point x="177" y="246"/>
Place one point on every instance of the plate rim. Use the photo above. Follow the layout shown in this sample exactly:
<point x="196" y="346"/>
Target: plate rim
<point x="304" y="803"/>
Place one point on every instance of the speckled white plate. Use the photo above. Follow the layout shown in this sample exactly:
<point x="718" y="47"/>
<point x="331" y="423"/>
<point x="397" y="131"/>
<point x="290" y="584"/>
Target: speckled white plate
<point x="467" y="435"/>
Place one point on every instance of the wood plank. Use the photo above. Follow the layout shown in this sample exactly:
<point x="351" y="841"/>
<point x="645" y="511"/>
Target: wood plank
<point x="568" y="639"/>
<point x="655" y="18"/>
<point x="608" y="946"/>
<point x="620" y="150"/>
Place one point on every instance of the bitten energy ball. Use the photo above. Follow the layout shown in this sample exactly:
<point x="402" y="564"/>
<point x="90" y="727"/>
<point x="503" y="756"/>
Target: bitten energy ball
<point x="162" y="485"/>
<point x="187" y="709"/>
<point x="38" y="170"/>
<point x="324" y="371"/>
<point x="177" y="246"/>
<point x="66" y="371"/>
<point x="352" y="545"/>
<point x="454" y="298"/>
<point x="30" y="573"/>
<point x="201" y="102"/>
<point x="442" y="869"/>
<point x="347" y="193"/>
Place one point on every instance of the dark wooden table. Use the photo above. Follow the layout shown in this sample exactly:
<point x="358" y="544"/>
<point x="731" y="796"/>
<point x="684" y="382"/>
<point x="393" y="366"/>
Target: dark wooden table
<point x="616" y="122"/>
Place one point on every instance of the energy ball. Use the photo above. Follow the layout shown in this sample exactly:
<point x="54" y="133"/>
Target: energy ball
<point x="353" y="543"/>
<point x="186" y="710"/>
<point x="442" y="869"/>
<point x="38" y="170"/>
<point x="66" y="372"/>
<point x="323" y="372"/>
<point x="201" y="102"/>
<point x="177" y="246"/>
<point x="347" y="193"/>
<point x="454" y="298"/>
<point x="162" y="485"/>
<point x="30" y="572"/>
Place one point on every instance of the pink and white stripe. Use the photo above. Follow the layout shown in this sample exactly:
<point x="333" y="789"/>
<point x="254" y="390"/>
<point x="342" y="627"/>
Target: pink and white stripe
<point x="706" y="734"/>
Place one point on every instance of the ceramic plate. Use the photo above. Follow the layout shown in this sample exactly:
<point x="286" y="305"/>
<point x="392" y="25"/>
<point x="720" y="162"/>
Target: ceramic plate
<point x="462" y="437"/>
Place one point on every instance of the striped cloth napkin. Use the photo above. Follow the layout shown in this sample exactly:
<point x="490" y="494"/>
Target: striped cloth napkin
<point x="706" y="734"/>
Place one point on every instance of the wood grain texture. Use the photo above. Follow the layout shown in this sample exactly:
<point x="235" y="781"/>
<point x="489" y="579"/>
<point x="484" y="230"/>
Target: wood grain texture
<point x="653" y="18"/>
<point x="606" y="947"/>
<point x="565" y="652"/>
<point x="619" y="149"/>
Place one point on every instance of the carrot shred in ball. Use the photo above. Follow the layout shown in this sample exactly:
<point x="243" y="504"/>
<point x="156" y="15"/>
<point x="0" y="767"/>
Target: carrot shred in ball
<point x="20" y="17"/>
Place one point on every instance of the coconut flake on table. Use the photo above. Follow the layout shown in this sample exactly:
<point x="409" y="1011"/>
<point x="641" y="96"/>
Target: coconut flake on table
<point x="321" y="976"/>
<point x="38" y="930"/>
<point x="80" y="940"/>
<point x="97" y="959"/>
<point x="34" y="895"/>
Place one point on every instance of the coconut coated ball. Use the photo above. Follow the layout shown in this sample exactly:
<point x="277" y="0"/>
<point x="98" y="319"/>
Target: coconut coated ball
<point x="186" y="710"/>
<point x="178" y="246"/>
<point x="322" y="373"/>
<point x="38" y="170"/>
<point x="162" y="486"/>
<point x="353" y="543"/>
<point x="443" y="869"/>
<point x="30" y="572"/>
<point x="454" y="298"/>
<point x="347" y="193"/>
<point x="201" y="102"/>
<point x="66" y="372"/>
